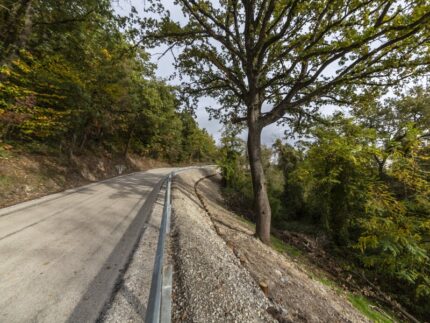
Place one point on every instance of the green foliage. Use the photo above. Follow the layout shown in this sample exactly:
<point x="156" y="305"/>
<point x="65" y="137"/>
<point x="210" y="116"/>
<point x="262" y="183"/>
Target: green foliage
<point x="282" y="247"/>
<point x="365" y="181"/>
<point x="367" y="308"/>
<point x="280" y="61"/>
<point x="391" y="243"/>
<point x="232" y="159"/>
<point x="197" y="144"/>
<point x="233" y="162"/>
<point x="288" y="55"/>
<point x="70" y="79"/>
<point x="292" y="195"/>
<point x="336" y="168"/>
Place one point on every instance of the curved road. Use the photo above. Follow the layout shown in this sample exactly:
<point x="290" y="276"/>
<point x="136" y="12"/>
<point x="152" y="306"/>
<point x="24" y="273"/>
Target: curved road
<point x="61" y="255"/>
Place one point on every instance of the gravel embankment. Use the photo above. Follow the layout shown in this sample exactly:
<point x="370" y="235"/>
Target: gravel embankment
<point x="293" y="286"/>
<point x="210" y="285"/>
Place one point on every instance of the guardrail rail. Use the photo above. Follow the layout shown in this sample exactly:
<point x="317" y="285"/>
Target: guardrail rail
<point x="160" y="302"/>
<point x="159" y="308"/>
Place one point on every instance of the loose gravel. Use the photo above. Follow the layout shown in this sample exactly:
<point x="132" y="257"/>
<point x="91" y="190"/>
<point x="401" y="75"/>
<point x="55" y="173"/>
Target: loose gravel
<point x="210" y="285"/>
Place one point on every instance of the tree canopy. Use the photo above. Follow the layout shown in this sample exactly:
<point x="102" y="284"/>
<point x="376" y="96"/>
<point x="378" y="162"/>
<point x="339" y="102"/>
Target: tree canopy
<point x="268" y="61"/>
<point x="72" y="78"/>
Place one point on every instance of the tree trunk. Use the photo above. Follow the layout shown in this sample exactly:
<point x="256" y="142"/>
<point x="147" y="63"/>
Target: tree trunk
<point x="261" y="198"/>
<point x="17" y="30"/>
<point x="84" y="141"/>
<point x="129" y="137"/>
<point x="381" y="165"/>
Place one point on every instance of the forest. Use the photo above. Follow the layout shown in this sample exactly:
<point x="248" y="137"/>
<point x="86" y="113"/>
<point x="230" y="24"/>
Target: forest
<point x="72" y="80"/>
<point x="360" y="179"/>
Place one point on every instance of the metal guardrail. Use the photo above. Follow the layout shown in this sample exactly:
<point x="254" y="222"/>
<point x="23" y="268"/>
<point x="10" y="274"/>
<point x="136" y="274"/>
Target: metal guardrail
<point x="160" y="301"/>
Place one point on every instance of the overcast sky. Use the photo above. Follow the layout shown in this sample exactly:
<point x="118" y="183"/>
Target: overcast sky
<point x="165" y="70"/>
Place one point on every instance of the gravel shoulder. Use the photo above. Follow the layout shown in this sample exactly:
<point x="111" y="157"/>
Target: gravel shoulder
<point x="221" y="269"/>
<point x="210" y="284"/>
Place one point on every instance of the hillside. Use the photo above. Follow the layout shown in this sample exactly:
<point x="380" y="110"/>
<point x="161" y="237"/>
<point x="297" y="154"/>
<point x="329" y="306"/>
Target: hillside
<point x="223" y="271"/>
<point x="25" y="176"/>
<point x="78" y="99"/>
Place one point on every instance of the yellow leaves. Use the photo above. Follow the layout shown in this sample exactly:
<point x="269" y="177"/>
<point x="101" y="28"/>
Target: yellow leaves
<point x="44" y="122"/>
<point x="5" y="70"/>
<point x="425" y="225"/>
<point x="106" y="54"/>
<point x="116" y="90"/>
<point x="423" y="290"/>
<point x="26" y="54"/>
<point x="367" y="242"/>
<point x="56" y="69"/>
<point x="22" y="66"/>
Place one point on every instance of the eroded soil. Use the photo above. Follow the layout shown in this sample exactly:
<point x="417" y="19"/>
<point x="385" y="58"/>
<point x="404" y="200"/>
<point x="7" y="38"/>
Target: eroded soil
<point x="296" y="295"/>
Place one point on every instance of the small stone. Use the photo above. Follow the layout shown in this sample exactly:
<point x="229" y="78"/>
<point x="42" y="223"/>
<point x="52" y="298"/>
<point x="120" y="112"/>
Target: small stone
<point x="264" y="287"/>
<point x="242" y="259"/>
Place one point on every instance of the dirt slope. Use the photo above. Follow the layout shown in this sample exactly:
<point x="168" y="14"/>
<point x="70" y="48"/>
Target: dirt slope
<point x="292" y="294"/>
<point x="25" y="176"/>
<point x="210" y="285"/>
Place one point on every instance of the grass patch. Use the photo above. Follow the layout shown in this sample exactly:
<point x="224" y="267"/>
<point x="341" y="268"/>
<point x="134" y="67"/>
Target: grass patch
<point x="4" y="153"/>
<point x="281" y="247"/>
<point x="5" y="182"/>
<point x="246" y="221"/>
<point x="362" y="304"/>
<point x="328" y="282"/>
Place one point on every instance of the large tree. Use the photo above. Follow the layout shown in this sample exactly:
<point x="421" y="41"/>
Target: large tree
<point x="268" y="59"/>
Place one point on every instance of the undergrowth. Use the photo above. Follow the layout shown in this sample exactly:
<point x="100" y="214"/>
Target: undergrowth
<point x="367" y="308"/>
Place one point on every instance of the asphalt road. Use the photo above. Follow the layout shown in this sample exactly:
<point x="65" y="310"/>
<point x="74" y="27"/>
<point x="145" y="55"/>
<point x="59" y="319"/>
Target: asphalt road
<point x="61" y="255"/>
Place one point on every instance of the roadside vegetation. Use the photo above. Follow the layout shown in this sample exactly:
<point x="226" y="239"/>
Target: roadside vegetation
<point x="269" y="62"/>
<point x="75" y="89"/>
<point x="361" y="184"/>
<point x="72" y="80"/>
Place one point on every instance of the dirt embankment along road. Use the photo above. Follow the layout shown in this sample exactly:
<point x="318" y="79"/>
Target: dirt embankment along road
<point x="221" y="270"/>
<point x="25" y="176"/>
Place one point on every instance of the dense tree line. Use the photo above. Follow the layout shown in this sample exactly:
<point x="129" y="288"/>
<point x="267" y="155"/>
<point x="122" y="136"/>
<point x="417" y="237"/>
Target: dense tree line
<point x="364" y="180"/>
<point x="71" y="78"/>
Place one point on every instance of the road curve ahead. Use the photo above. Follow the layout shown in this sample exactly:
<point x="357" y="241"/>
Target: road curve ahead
<point x="61" y="255"/>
